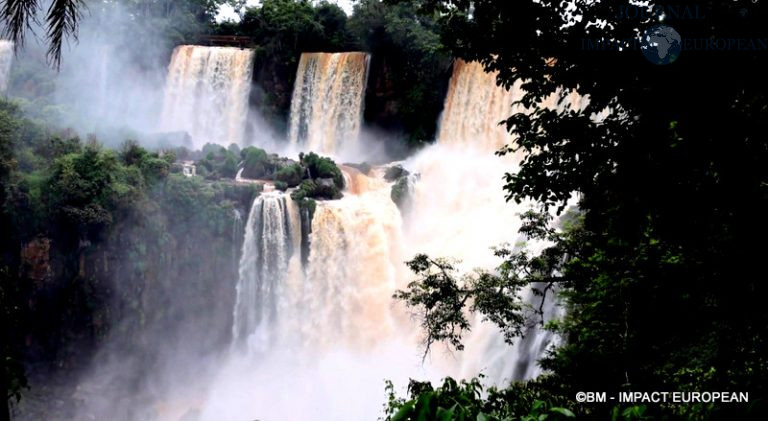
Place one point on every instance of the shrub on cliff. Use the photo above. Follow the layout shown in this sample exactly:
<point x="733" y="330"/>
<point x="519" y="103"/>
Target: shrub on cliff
<point x="323" y="188"/>
<point x="290" y="174"/>
<point x="255" y="162"/>
<point x="322" y="167"/>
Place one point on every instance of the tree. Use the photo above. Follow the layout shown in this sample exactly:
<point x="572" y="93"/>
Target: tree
<point x="409" y="68"/>
<point x="672" y="187"/>
<point x="283" y="29"/>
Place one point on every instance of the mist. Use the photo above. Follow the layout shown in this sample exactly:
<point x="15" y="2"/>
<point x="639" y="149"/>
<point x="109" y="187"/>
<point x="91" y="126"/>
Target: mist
<point x="317" y="338"/>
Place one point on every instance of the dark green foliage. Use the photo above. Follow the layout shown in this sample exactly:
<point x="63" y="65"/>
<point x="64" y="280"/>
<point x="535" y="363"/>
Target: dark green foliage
<point x="283" y="29"/>
<point x="409" y="68"/>
<point x="254" y="162"/>
<point x="442" y="296"/>
<point x="322" y="167"/>
<point x="290" y="175"/>
<point x="662" y="284"/>
<point x="218" y="162"/>
<point x="123" y="237"/>
<point x="234" y="148"/>
<point x="466" y="400"/>
<point x="81" y="187"/>
<point x="317" y="189"/>
<point x="281" y="185"/>
<point x="131" y="153"/>
<point x="229" y="167"/>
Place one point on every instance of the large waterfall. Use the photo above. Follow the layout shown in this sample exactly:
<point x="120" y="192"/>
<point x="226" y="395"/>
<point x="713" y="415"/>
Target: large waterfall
<point x="459" y="211"/>
<point x="206" y="93"/>
<point x="343" y="295"/>
<point x="326" y="329"/>
<point x="327" y="100"/>
<point x="6" y="57"/>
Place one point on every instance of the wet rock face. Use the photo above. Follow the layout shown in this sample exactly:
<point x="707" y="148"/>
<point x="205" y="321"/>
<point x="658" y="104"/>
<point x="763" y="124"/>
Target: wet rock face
<point x="395" y="172"/>
<point x="36" y="260"/>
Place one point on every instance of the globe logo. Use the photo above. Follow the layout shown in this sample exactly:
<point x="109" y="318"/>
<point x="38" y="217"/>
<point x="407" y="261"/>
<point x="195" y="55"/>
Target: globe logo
<point x="661" y="44"/>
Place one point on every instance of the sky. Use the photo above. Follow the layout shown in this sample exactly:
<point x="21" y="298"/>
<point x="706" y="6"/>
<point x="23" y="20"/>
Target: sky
<point x="227" y="12"/>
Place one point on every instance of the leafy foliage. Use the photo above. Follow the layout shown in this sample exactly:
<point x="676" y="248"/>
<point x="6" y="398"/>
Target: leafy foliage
<point x="322" y="167"/>
<point x="444" y="298"/>
<point x="465" y="400"/>
<point x="659" y="282"/>
<point x="254" y="162"/>
<point x="283" y="29"/>
<point x="291" y="175"/>
<point x="121" y="235"/>
<point x="409" y="67"/>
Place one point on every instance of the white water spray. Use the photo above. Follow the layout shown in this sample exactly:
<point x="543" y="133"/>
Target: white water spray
<point x="207" y="93"/>
<point x="327" y="102"/>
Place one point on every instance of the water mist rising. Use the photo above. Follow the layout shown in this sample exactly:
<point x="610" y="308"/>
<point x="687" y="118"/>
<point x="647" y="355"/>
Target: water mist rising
<point x="458" y="209"/>
<point x="326" y="107"/>
<point x="6" y="58"/>
<point x="207" y="93"/>
<point x="316" y="339"/>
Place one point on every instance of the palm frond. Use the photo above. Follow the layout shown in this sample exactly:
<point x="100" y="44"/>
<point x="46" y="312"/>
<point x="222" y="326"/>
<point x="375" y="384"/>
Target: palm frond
<point x="62" y="18"/>
<point x="18" y="16"/>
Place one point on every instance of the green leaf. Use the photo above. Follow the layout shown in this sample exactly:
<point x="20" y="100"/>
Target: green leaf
<point x="405" y="412"/>
<point x="444" y="414"/>
<point x="563" y="411"/>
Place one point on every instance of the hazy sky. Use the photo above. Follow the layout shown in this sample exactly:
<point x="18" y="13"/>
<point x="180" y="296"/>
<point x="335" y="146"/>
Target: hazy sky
<point x="226" y="12"/>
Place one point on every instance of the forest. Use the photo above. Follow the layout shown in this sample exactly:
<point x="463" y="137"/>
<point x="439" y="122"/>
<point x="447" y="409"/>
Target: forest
<point x="180" y="272"/>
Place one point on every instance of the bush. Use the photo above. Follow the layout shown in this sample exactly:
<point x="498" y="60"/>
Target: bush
<point x="322" y="167"/>
<point x="320" y="189"/>
<point x="290" y="174"/>
<point x="229" y="167"/>
<point x="255" y="162"/>
<point x="281" y="185"/>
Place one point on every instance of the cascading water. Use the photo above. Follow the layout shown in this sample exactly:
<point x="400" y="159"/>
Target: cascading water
<point x="458" y="208"/>
<point x="354" y="266"/>
<point x="323" y="334"/>
<point x="327" y="102"/>
<point x="269" y="246"/>
<point x="6" y="58"/>
<point x="207" y="93"/>
<point x="473" y="108"/>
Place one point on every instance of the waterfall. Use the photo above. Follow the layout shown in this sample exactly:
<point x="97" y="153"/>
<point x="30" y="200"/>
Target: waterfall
<point x="354" y="266"/>
<point x="6" y="58"/>
<point x="206" y="93"/>
<point x="351" y="270"/>
<point x="459" y="208"/>
<point x="314" y="296"/>
<point x="327" y="102"/>
<point x="474" y="107"/>
<point x="270" y="244"/>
